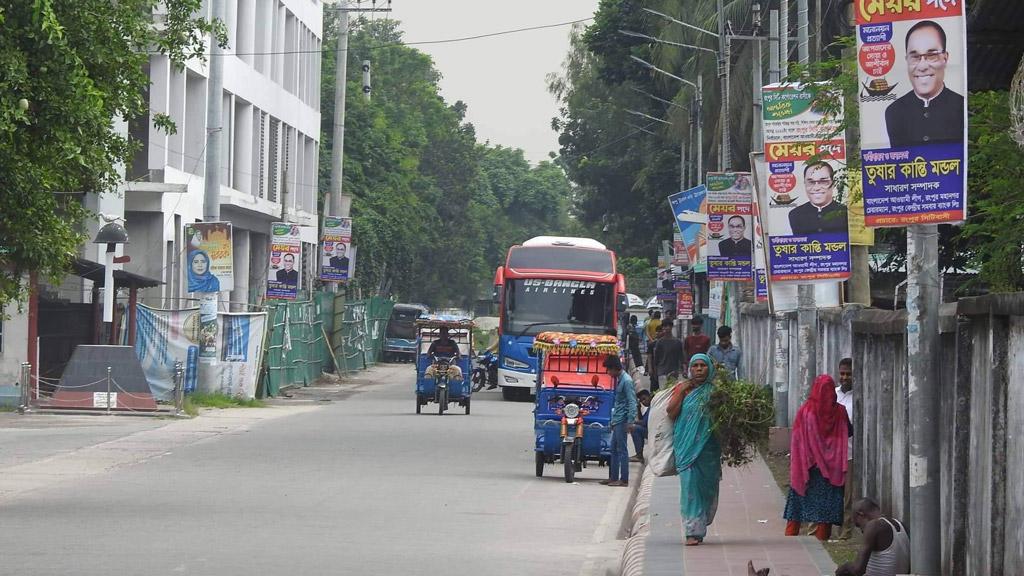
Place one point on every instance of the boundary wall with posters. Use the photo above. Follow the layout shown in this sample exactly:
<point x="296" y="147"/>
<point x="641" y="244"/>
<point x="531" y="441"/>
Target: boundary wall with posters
<point x="982" y="441"/>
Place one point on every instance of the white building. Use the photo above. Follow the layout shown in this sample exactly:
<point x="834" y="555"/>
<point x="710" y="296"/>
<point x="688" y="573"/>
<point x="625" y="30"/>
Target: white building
<point x="269" y="158"/>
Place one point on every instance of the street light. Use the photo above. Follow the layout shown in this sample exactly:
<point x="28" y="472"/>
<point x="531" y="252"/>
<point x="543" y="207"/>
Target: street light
<point x="700" y="104"/>
<point x="110" y="234"/>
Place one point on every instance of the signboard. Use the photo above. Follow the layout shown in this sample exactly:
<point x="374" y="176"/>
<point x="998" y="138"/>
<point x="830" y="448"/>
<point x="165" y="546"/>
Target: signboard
<point x="283" y="276"/>
<point x="690" y="217"/>
<point x="730" y="227"/>
<point x="808" y="236"/>
<point x="684" y="299"/>
<point x="210" y="261"/>
<point x="912" y="69"/>
<point x="337" y="253"/>
<point x="104" y="399"/>
<point x="760" y="270"/>
<point x="715" y="296"/>
<point x="680" y="257"/>
<point x="169" y="336"/>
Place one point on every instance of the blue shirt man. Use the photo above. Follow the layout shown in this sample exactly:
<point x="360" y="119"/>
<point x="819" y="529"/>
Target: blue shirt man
<point x="623" y="415"/>
<point x="725" y="354"/>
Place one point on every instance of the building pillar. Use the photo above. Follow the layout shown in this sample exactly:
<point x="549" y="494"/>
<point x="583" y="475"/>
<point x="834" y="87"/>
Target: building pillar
<point x="241" y="257"/>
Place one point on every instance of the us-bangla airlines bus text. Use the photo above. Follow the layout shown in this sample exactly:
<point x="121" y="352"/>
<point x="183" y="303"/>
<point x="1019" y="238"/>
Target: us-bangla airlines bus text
<point x="552" y="284"/>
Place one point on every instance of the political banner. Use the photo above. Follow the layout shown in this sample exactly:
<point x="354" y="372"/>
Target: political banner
<point x="688" y="208"/>
<point x="912" y="57"/>
<point x="209" y="257"/>
<point x="730" y="226"/>
<point x="860" y="234"/>
<point x="283" y="276"/>
<point x="336" y="249"/>
<point x="164" y="337"/>
<point x="808" y="238"/>
<point x="684" y="299"/>
<point x="680" y="256"/>
<point x="760" y="271"/>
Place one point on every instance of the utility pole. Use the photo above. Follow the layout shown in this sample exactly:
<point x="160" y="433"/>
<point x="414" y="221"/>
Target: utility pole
<point x="700" y="128"/>
<point x="803" y="44"/>
<point x="723" y="74"/>
<point x="783" y="39"/>
<point x="923" y="351"/>
<point x="780" y="361"/>
<point x="819" y="45"/>
<point x="214" y="120"/>
<point x="807" y="313"/>
<point x="757" y="141"/>
<point x="773" y="47"/>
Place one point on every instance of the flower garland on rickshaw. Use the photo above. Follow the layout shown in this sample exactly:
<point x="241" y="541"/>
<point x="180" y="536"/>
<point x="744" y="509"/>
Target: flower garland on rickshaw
<point x="575" y="344"/>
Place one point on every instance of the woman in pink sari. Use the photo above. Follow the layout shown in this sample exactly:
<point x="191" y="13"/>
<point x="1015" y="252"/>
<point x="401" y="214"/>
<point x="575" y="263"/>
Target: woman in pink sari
<point x="817" y="465"/>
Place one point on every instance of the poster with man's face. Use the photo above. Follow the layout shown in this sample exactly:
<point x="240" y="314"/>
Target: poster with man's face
<point x="805" y="217"/>
<point x="337" y="260"/>
<point x="284" y="274"/>
<point x="730" y="250"/>
<point x="913" y="79"/>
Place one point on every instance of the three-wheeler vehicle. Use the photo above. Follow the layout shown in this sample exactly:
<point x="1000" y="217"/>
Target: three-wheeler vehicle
<point x="443" y="367"/>
<point x="574" y="397"/>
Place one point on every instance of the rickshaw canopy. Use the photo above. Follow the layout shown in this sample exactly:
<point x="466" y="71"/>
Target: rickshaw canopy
<point x="575" y="359"/>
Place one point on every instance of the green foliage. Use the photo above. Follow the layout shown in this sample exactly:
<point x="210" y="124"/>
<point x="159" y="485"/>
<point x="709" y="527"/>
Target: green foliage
<point x="633" y="266"/>
<point x="434" y="211"/>
<point x="994" y="234"/>
<point x="80" y="66"/>
<point x="217" y="400"/>
<point x="741" y="413"/>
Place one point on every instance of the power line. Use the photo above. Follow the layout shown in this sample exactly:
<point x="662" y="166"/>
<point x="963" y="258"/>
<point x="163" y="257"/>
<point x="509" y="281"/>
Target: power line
<point x="424" y="42"/>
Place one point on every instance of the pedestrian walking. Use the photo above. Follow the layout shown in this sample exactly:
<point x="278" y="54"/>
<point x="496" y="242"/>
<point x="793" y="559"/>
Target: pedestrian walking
<point x="623" y="415"/>
<point x="725" y="353"/>
<point x="886" y="548"/>
<point x="633" y="341"/>
<point x="668" y="358"/>
<point x="697" y="342"/>
<point x="817" y="465"/>
<point x="697" y="452"/>
<point x="643" y="398"/>
<point x="844" y="395"/>
<point x="651" y="330"/>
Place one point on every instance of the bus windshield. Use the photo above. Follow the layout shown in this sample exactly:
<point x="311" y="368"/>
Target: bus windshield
<point x="403" y="322"/>
<point x="535" y="305"/>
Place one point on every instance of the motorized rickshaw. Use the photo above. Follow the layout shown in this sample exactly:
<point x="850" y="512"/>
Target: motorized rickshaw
<point x="443" y="379"/>
<point x="574" y="398"/>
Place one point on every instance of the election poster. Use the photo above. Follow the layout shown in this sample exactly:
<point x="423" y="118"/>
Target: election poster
<point x="806" y="220"/>
<point x="209" y="257"/>
<point x="283" y="276"/>
<point x="165" y="337"/>
<point x="336" y="249"/>
<point x="680" y="256"/>
<point x="684" y="299"/>
<point x="730" y="226"/>
<point x="688" y="208"/>
<point x="760" y="270"/>
<point x="912" y="69"/>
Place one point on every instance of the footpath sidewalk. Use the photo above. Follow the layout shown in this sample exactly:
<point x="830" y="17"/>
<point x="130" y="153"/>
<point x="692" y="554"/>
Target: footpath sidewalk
<point x="748" y="526"/>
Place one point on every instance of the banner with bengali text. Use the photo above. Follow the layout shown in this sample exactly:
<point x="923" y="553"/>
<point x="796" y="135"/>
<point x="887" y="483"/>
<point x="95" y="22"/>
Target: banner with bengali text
<point x="730" y="226"/>
<point x="688" y="209"/>
<point x="912" y="57"/>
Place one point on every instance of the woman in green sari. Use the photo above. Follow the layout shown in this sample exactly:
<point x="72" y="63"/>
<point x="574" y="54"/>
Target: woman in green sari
<point x="698" y="455"/>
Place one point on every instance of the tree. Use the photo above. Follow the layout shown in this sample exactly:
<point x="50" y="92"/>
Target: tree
<point x="69" y="69"/>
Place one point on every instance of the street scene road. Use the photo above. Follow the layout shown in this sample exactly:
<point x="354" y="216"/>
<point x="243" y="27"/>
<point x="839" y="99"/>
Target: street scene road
<point x="356" y="484"/>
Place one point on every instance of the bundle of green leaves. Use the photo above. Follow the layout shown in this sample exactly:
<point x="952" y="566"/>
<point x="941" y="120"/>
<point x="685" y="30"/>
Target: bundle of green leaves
<point x="741" y="413"/>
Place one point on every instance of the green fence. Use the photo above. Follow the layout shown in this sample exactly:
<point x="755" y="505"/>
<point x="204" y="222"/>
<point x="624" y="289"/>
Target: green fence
<point x="297" y="350"/>
<point x="358" y="336"/>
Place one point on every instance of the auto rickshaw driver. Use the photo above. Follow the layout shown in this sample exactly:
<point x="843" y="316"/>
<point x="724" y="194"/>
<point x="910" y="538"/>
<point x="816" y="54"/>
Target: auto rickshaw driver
<point x="445" y="347"/>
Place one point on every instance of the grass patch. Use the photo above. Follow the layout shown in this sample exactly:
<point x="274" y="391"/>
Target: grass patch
<point x="216" y="400"/>
<point x="841" y="551"/>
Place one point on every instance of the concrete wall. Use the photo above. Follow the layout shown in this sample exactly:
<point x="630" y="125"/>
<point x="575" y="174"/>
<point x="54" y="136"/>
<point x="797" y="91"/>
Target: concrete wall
<point x="13" y="344"/>
<point x="982" y="440"/>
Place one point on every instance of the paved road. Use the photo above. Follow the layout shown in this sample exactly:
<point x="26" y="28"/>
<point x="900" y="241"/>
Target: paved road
<point x="360" y="485"/>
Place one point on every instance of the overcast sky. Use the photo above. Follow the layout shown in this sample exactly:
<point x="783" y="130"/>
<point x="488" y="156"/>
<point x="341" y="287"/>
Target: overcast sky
<point x="501" y="79"/>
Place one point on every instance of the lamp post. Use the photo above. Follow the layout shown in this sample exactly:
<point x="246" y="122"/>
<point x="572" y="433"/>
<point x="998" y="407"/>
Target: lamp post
<point x="110" y="234"/>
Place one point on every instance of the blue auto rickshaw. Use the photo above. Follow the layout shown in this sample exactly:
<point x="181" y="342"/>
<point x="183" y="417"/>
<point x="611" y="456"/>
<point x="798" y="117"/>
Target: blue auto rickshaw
<point x="574" y="398"/>
<point x="443" y="380"/>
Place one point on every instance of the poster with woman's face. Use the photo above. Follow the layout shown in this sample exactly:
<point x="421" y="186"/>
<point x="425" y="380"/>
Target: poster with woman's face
<point x="208" y="257"/>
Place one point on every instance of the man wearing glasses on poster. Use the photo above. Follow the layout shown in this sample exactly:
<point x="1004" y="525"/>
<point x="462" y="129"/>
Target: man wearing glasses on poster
<point x="821" y="214"/>
<point x="931" y="112"/>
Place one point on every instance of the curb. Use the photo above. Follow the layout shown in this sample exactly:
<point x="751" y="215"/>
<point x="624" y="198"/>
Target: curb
<point x="636" y="526"/>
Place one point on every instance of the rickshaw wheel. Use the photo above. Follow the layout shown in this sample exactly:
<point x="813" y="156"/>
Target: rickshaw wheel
<point x="442" y="402"/>
<point x="467" y="405"/>
<point x="419" y="405"/>
<point x="539" y="461"/>
<point x="567" y="463"/>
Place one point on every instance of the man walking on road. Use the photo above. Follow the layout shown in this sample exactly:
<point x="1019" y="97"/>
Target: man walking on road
<point x="725" y="354"/>
<point x="697" y="342"/>
<point x="844" y="395"/>
<point x="668" y="358"/>
<point x="623" y="414"/>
